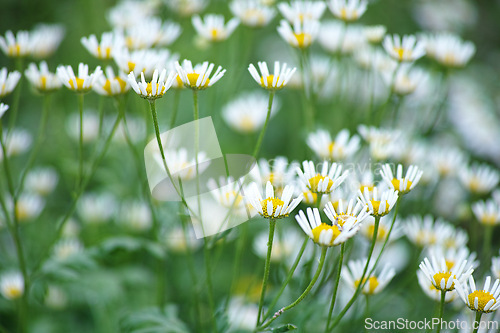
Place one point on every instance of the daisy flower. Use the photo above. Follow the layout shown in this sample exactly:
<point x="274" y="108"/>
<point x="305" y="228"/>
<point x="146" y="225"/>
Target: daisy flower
<point x="16" y="45"/>
<point x="41" y="181"/>
<point x="402" y="184"/>
<point x="431" y="291"/>
<point x="8" y="81"/>
<point x="154" y="89"/>
<point x="485" y="300"/>
<point x="340" y="148"/>
<point x="229" y="193"/>
<point x="12" y="285"/>
<point x="325" y="234"/>
<point x="151" y="32"/>
<point x="127" y="13"/>
<point x="449" y="50"/>
<point x="374" y="283"/>
<point x="272" y="207"/>
<point x="322" y="182"/>
<point x="279" y="171"/>
<point x="197" y="78"/>
<point x="275" y="81"/>
<point x="479" y="179"/>
<point x="136" y="216"/>
<point x="247" y="113"/>
<point x="252" y="13"/>
<point x="212" y="27"/>
<point x="348" y="10"/>
<point x="45" y="40"/>
<point x="3" y="109"/>
<point x="452" y="256"/>
<point x="374" y="33"/>
<point x="103" y="50"/>
<point x="383" y="143"/>
<point x="447" y="160"/>
<point x="67" y="247"/>
<point x="404" y="49"/>
<point x="406" y="80"/>
<point x="442" y="276"/>
<point x="144" y="60"/>
<point x="378" y="204"/>
<point x="344" y="211"/>
<point x="285" y="247"/>
<point x="95" y="208"/>
<point x="302" y="10"/>
<point x="110" y="84"/>
<point x="186" y="8"/>
<point x="28" y="207"/>
<point x="81" y="83"/>
<point x="301" y="35"/>
<point x="426" y="231"/>
<point x="42" y="79"/>
<point x="17" y="142"/>
<point x="487" y="212"/>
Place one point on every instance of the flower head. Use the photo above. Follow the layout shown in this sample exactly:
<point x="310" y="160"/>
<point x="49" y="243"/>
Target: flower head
<point x="45" y="40"/>
<point x="154" y="89"/>
<point x="348" y="10"/>
<point x="479" y="179"/>
<point x="105" y="49"/>
<point x="212" y="27"/>
<point x="42" y="79"/>
<point x="432" y="291"/>
<point x="487" y="212"/>
<point x="374" y="34"/>
<point x="252" y="13"/>
<point x="275" y="81"/>
<point x="272" y="207"/>
<point x="485" y="300"/>
<point x="374" y="283"/>
<point x="449" y="50"/>
<point x="406" y="80"/>
<point x="402" y="184"/>
<point x="151" y="32"/>
<point x="197" y="78"/>
<point x="426" y="231"/>
<point x="301" y="34"/>
<point x="378" y="204"/>
<point x="143" y="60"/>
<point x="404" y="49"/>
<point x="302" y="10"/>
<point x="326" y="234"/>
<point x="442" y="275"/>
<point x="346" y="211"/>
<point x="340" y="148"/>
<point x="41" y="181"/>
<point x="81" y="83"/>
<point x="3" y="109"/>
<point x="322" y="182"/>
<point x="12" y="285"/>
<point x="8" y="81"/>
<point x="16" y="45"/>
<point x="110" y="84"/>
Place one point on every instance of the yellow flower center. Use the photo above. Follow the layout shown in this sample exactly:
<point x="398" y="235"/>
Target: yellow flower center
<point x="398" y="183"/>
<point x="233" y="198"/>
<point x="254" y="14"/>
<point x="488" y="219"/>
<point x="325" y="227"/>
<point x="270" y="79"/>
<point x="13" y="292"/>
<point x="149" y="90"/>
<point x="215" y="34"/>
<point x="443" y="275"/>
<point x="310" y="197"/>
<point x="303" y="39"/>
<point x="425" y="238"/>
<point x="276" y="203"/>
<point x="401" y="52"/>
<point x="344" y="15"/>
<point x="14" y="50"/>
<point x="372" y="284"/>
<point x="483" y="298"/>
<point x="376" y="207"/>
<point x="22" y="213"/>
<point x="107" y="85"/>
<point x="449" y="264"/>
<point x="368" y="187"/>
<point x="193" y="78"/>
<point x="314" y="182"/>
<point x="449" y="60"/>
<point x="43" y="82"/>
<point x="131" y="66"/>
<point x="104" y="55"/>
<point x="79" y="84"/>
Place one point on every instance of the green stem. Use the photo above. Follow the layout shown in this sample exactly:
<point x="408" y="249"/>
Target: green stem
<point x="477" y="321"/>
<point x="38" y="143"/>
<point x="288" y="278"/>
<point x="440" y="106"/>
<point x="305" y="293"/>
<point x="16" y="96"/>
<point x="210" y="293"/>
<point x="101" y="114"/>
<point x="335" y="289"/>
<point x="80" y="142"/>
<point x="272" y="227"/>
<point x="262" y="132"/>
<point x="441" y="310"/>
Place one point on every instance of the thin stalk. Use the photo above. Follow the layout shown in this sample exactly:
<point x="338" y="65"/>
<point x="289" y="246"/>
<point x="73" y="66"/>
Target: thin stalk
<point x="287" y="280"/>
<point x="80" y="142"/>
<point x="335" y="289"/>
<point x="210" y="293"/>
<point x="240" y="247"/>
<point x="305" y="293"/>
<point x="262" y="132"/>
<point x="101" y="114"/>
<point x="477" y="321"/>
<point x="16" y="98"/>
<point x="441" y="310"/>
<point x="440" y="105"/>
<point x="267" y="265"/>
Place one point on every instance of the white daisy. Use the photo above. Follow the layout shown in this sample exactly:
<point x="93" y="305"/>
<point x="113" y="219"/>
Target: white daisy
<point x="45" y="39"/>
<point x="485" y="300"/>
<point x="151" y="32"/>
<point x="404" y="49"/>
<point x="378" y="204"/>
<point x="479" y="178"/>
<point x="105" y="49"/>
<point x="449" y="49"/>
<point x="431" y="291"/>
<point x="402" y="184"/>
<point x="323" y="182"/>
<point x="16" y="45"/>
<point x="301" y="35"/>
<point x="348" y="10"/>
<point x="374" y="33"/>
<point x="3" y="109"/>
<point x="368" y="228"/>
<point x="344" y="211"/>
<point x="186" y="8"/>
<point x="28" y="207"/>
<point x="197" y="77"/>
<point x="81" y="83"/>
<point x="406" y="80"/>
<point x="275" y="81"/>
<point x="8" y="81"/>
<point x="302" y="10"/>
<point x="340" y="148"/>
<point x="272" y="207"/>
<point x="374" y="283"/>
<point x="67" y="247"/>
<point x="17" y="142"/>
<point x="495" y="267"/>
<point x="110" y="84"/>
<point x="41" y="181"/>
<point x="42" y="79"/>
<point x="12" y="285"/>
<point x="154" y="89"/>
<point x="213" y="28"/>
<point x="252" y="13"/>
<point x="96" y="208"/>
<point x="487" y="212"/>
<point x="136" y="216"/>
<point x="442" y="276"/>
<point x="144" y="60"/>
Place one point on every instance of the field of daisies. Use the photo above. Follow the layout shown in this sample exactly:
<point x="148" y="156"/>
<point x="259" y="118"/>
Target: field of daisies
<point x="249" y="166"/>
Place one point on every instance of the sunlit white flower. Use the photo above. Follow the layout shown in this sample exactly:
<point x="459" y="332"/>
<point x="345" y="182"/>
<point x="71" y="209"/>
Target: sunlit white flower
<point x="453" y="255"/>
<point x="404" y="49"/>
<point x="485" y="300"/>
<point x="275" y="81"/>
<point x="16" y="45"/>
<point x="427" y="231"/>
<point x="8" y="81"/>
<point x="402" y="184"/>
<point x="3" y="109"/>
<point x="301" y="35"/>
<point x="136" y="216"/>
<point x="331" y="35"/>
<point x="378" y="204"/>
<point x="67" y="247"/>
<point x="71" y="228"/>
<point x="213" y="28"/>
<point x="42" y="79"/>
<point x="96" y="208"/>
<point x="479" y="179"/>
<point x="431" y="291"/>
<point x="325" y="234"/>
<point x="12" y="285"/>
<point x="41" y="181"/>
<point x="406" y="80"/>
<point x="449" y="49"/>
<point x="272" y="207"/>
<point x="374" y="283"/>
<point x="252" y="13"/>
<point x="279" y="171"/>
<point x="248" y="112"/>
<point x="383" y="143"/>
<point x="374" y="33"/>
<point x="442" y="276"/>
<point x="45" y="40"/>
<point x="487" y="212"/>
<point x="323" y="182"/>
<point x="110" y="84"/>
<point x="187" y="8"/>
<point x="144" y="60"/>
<point x="154" y="89"/>
<point x="181" y="164"/>
<point x="197" y="77"/>
<point x="28" y="207"/>
<point x="230" y="194"/>
<point x="340" y="148"/>
<point x="81" y="83"/>
<point x="242" y="315"/>
<point x="17" y="142"/>
<point x="104" y="50"/>
<point x="344" y="211"/>
<point x="348" y="10"/>
<point x="302" y="10"/>
<point x="127" y="13"/>
<point x="446" y="15"/>
<point x="151" y="32"/>
<point x="447" y="160"/>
